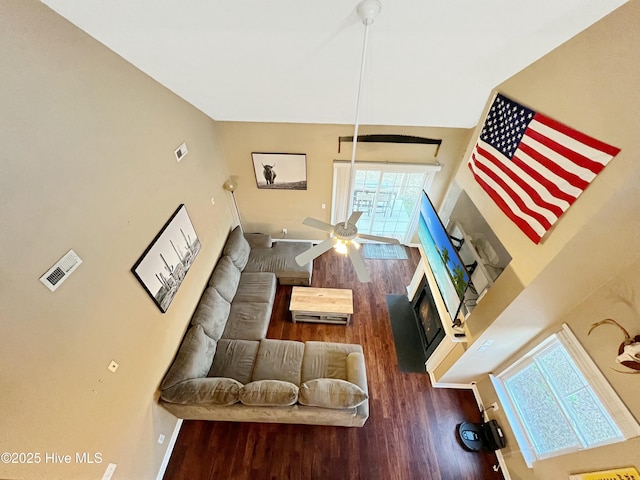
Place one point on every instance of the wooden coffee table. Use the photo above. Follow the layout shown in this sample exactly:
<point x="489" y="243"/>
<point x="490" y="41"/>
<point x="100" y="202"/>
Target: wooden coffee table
<point x="321" y="305"/>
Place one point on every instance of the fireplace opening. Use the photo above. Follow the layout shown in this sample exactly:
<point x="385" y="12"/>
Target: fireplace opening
<point x="427" y="317"/>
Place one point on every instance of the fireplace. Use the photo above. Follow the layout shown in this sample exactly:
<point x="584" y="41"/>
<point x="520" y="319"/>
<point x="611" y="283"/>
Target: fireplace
<point x="427" y="318"/>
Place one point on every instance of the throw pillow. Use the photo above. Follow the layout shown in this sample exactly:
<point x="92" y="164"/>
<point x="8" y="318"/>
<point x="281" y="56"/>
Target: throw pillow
<point x="269" y="393"/>
<point x="331" y="393"/>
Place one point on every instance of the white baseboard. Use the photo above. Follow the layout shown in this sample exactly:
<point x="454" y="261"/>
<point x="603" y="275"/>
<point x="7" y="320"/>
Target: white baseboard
<point x="435" y="384"/>
<point x="169" y="451"/>
<point x="503" y="465"/>
<point x="485" y="417"/>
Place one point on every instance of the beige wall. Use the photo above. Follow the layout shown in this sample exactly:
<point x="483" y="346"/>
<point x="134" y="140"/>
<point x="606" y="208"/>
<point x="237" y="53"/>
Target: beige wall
<point x="589" y="83"/>
<point x="269" y="211"/>
<point x="87" y="163"/>
<point x="618" y="299"/>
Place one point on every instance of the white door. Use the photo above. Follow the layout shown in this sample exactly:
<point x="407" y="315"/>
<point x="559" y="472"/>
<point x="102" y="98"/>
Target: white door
<point x="387" y="194"/>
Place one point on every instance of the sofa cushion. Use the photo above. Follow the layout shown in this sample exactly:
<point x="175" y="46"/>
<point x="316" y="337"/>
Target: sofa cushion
<point x="269" y="393"/>
<point x="234" y="359"/>
<point x="214" y="391"/>
<point x="248" y="321"/>
<point x="237" y="248"/>
<point x="193" y="359"/>
<point x="279" y="360"/>
<point x="225" y="278"/>
<point x="281" y="260"/>
<point x="256" y="287"/>
<point x="259" y="240"/>
<point x="212" y="313"/>
<point x="326" y="360"/>
<point x="331" y="393"/>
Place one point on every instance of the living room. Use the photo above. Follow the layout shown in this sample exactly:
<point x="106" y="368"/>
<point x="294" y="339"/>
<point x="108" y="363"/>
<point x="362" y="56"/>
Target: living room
<point x="89" y="164"/>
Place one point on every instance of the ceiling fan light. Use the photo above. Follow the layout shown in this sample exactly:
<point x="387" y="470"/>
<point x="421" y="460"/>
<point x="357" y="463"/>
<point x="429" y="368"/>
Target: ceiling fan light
<point x="341" y="247"/>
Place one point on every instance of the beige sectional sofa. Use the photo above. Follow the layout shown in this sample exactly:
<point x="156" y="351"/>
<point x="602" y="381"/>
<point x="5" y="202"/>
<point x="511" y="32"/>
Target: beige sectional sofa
<point x="226" y="368"/>
<point x="279" y="258"/>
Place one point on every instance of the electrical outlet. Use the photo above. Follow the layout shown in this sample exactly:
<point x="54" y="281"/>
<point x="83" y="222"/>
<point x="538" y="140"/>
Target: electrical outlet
<point x="324" y="205"/>
<point x="494" y="406"/>
<point x="285" y="231"/>
<point x="113" y="366"/>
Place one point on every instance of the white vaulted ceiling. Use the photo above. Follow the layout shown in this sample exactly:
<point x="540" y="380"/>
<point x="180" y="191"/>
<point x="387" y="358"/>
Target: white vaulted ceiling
<point x="429" y="63"/>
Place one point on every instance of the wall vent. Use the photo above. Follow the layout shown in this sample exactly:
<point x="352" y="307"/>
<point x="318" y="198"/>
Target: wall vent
<point x="56" y="275"/>
<point x="181" y="151"/>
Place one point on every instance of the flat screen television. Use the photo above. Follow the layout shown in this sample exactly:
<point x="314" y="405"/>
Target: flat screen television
<point x="447" y="266"/>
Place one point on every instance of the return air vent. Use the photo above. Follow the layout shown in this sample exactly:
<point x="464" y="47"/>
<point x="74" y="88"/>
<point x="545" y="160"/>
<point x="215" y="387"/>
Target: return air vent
<point x="181" y="151"/>
<point x="57" y="274"/>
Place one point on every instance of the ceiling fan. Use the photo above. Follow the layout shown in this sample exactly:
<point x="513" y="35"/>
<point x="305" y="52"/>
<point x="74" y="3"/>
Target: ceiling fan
<point x="344" y="234"/>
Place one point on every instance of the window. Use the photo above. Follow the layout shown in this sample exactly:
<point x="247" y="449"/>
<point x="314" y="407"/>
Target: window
<point x="557" y="401"/>
<point x="388" y="194"/>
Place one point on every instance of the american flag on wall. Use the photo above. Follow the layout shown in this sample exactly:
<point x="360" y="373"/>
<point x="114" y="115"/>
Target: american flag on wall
<point x="534" y="167"/>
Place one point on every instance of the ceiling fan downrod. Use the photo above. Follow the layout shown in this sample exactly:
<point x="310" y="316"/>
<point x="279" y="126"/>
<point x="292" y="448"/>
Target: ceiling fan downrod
<point x="367" y="10"/>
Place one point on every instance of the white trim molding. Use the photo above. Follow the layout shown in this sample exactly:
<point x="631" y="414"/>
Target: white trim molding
<point x="169" y="451"/>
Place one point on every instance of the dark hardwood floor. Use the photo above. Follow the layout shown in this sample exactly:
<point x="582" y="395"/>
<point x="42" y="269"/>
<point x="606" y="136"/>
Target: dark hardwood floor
<point x="411" y="431"/>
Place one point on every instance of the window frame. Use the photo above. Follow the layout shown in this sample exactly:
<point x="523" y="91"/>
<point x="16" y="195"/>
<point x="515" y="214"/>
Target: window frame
<point x="610" y="400"/>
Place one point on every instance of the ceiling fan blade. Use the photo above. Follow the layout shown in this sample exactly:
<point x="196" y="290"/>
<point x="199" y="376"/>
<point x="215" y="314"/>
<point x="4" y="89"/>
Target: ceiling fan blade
<point x="306" y="256"/>
<point x="376" y="238"/>
<point x="319" y="224"/>
<point x="358" y="263"/>
<point x="354" y="217"/>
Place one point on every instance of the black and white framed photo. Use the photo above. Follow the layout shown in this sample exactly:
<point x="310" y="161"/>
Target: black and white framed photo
<point x="166" y="261"/>
<point x="280" y="171"/>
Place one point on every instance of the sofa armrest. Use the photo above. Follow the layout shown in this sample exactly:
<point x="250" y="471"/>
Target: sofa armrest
<point x="258" y="240"/>
<point x="356" y="372"/>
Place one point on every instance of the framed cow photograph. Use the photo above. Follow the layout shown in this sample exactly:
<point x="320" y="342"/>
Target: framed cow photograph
<point x="280" y="171"/>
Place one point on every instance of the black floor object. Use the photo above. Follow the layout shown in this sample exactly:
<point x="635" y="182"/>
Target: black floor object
<point x="406" y="335"/>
